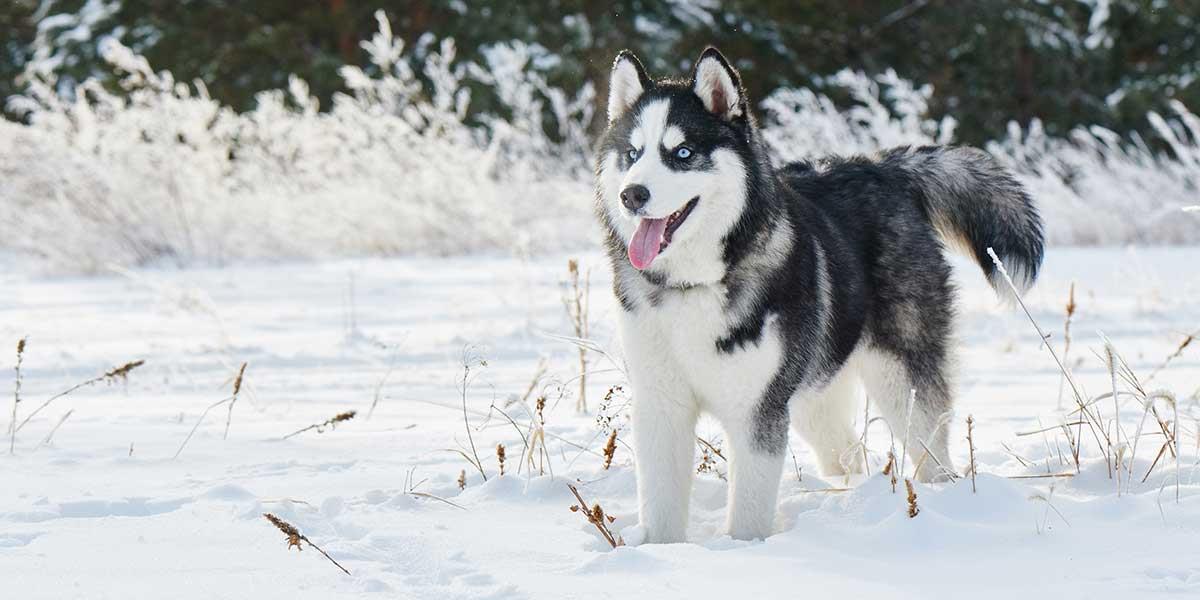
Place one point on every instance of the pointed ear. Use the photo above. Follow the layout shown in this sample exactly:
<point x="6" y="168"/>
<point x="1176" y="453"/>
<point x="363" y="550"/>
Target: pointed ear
<point x="626" y="85"/>
<point x="718" y="85"/>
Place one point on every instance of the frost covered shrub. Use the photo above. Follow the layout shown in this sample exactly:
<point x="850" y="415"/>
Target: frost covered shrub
<point x="165" y="173"/>
<point x="162" y="173"/>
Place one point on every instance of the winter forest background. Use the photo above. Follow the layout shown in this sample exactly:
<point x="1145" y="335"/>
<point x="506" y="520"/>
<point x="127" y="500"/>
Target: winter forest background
<point x="147" y="132"/>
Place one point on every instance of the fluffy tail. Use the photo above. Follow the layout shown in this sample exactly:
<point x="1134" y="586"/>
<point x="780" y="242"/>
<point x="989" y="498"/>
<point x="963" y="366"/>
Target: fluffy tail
<point x="976" y="204"/>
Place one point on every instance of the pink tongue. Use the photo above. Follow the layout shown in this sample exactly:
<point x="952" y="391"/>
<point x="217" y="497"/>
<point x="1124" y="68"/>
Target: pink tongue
<point x="646" y="241"/>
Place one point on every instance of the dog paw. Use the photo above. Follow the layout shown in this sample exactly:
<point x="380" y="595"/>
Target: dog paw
<point x="634" y="535"/>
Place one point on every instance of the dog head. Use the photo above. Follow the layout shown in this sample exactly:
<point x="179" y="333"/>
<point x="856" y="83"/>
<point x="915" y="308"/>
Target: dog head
<point x="674" y="167"/>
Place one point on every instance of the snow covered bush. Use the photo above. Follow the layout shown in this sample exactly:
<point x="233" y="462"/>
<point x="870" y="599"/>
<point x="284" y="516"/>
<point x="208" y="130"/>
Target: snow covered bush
<point x="163" y="174"/>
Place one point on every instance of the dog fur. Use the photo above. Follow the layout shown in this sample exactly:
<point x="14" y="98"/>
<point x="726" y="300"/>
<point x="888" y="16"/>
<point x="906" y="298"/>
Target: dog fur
<point x="780" y="290"/>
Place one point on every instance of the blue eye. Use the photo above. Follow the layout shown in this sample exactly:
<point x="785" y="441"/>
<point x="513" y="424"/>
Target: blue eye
<point x="683" y="152"/>
<point x="633" y="154"/>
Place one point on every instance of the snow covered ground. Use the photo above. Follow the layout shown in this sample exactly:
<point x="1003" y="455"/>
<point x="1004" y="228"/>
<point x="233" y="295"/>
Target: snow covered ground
<point x="102" y="510"/>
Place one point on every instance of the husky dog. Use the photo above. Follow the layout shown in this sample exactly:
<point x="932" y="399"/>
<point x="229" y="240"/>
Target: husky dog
<point x="763" y="295"/>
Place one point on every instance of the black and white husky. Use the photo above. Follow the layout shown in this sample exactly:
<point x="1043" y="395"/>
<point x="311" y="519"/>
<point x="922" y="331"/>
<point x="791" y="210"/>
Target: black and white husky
<point x="763" y="295"/>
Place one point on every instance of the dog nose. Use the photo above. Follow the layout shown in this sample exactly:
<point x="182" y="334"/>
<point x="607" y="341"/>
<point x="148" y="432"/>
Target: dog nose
<point x="635" y="197"/>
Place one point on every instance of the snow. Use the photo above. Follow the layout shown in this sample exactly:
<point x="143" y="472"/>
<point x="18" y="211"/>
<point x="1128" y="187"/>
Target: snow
<point x="102" y="510"/>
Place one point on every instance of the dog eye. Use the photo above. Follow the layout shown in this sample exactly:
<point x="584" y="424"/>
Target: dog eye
<point x="683" y="152"/>
<point x="633" y="154"/>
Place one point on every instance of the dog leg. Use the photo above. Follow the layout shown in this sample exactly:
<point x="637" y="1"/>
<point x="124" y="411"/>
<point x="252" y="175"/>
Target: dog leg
<point x="754" y="474"/>
<point x="890" y="387"/>
<point x="664" y="426"/>
<point x="825" y="418"/>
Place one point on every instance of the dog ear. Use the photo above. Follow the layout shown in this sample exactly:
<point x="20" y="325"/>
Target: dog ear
<point x="627" y="83"/>
<point x="718" y="85"/>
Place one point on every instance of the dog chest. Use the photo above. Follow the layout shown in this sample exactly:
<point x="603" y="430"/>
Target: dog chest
<point x="682" y="331"/>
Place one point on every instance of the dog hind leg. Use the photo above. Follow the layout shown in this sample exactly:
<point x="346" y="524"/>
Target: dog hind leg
<point x="825" y="418"/>
<point x="890" y="384"/>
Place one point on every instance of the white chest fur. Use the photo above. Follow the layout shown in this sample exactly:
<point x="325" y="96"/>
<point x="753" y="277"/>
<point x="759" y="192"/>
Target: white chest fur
<point x="676" y="342"/>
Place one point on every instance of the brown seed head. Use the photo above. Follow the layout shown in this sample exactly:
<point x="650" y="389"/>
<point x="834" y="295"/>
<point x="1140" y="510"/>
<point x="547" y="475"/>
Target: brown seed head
<point x="122" y="371"/>
<point x="610" y="449"/>
<point x="293" y="535"/>
<point x="237" y="381"/>
<point x="912" y="499"/>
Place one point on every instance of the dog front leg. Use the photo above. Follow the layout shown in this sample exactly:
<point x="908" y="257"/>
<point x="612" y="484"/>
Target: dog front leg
<point x="664" y="425"/>
<point x="755" y="470"/>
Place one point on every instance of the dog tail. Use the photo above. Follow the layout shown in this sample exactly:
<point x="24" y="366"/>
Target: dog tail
<point x="975" y="204"/>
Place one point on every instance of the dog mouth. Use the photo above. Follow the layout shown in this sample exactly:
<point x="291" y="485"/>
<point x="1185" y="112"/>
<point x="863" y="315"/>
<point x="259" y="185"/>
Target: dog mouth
<point x="654" y="235"/>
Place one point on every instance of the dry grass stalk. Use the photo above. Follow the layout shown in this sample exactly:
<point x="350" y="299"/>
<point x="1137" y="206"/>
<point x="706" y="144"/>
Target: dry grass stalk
<point x="1092" y="420"/>
<point x="500" y="457"/>
<point x="538" y="374"/>
<point x="708" y="463"/>
<point x="462" y="479"/>
<point x="971" y="447"/>
<point x="1042" y="476"/>
<point x="596" y="517"/>
<point x="1174" y="355"/>
<point x="890" y="469"/>
<point x="1110" y="362"/>
<point x="912" y="499"/>
<point x="294" y="537"/>
<point x="331" y="422"/>
<point x="12" y="425"/>
<point x="536" y="445"/>
<point x="120" y="373"/>
<point x="61" y="420"/>
<point x="469" y="358"/>
<point x="411" y="485"/>
<point x="576" y="303"/>
<point x="237" y="387"/>
<point x="610" y="449"/>
<point x="378" y="395"/>
<point x="715" y="450"/>
<point x="912" y="399"/>
<point x="1067" y="338"/>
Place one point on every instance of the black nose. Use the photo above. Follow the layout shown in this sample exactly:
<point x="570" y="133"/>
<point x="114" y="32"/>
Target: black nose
<point x="635" y="197"/>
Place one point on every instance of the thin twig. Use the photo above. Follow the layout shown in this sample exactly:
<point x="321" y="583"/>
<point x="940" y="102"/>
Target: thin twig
<point x="294" y="537"/>
<point x="971" y="446"/>
<point x="330" y="422"/>
<point x="237" y="387"/>
<point x="197" y="425"/>
<point x="46" y="440"/>
<point x="595" y="516"/>
<point x="12" y="425"/>
<point x="120" y="372"/>
<point x="466" y="380"/>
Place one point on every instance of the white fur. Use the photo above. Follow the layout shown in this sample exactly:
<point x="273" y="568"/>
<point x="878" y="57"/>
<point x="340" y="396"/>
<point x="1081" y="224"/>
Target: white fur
<point x="676" y="371"/>
<point x="673" y="137"/>
<point x="890" y="391"/>
<point x="712" y="83"/>
<point x="625" y="87"/>
<point x="824" y="418"/>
